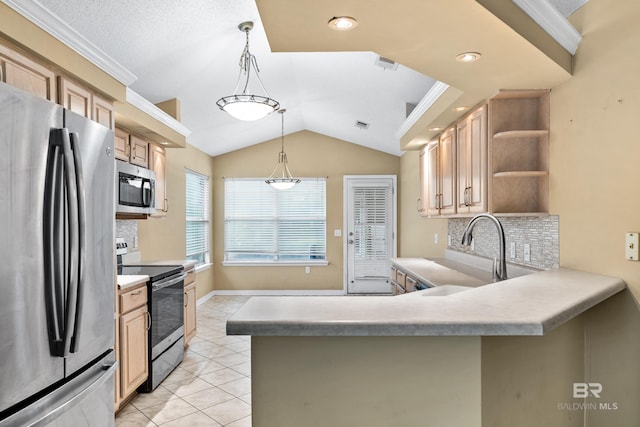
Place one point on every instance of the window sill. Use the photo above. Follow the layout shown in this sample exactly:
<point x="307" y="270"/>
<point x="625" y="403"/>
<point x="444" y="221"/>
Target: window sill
<point x="319" y="263"/>
<point x="203" y="267"/>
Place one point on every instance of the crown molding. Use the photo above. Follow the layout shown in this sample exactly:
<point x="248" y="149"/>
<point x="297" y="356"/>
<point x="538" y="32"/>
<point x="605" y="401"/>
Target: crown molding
<point x="52" y="24"/>
<point x="425" y="103"/>
<point x="553" y="22"/>
<point x="142" y="104"/>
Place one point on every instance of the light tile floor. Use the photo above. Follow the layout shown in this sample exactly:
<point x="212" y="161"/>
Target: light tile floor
<point x="211" y="387"/>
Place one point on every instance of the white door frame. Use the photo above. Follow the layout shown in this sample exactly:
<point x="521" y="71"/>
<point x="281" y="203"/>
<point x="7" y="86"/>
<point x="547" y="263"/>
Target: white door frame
<point x="345" y="225"/>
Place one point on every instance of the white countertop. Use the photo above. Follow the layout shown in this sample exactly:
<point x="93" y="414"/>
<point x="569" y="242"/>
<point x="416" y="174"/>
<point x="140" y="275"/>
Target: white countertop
<point x="127" y="281"/>
<point x="528" y="305"/>
<point x="185" y="263"/>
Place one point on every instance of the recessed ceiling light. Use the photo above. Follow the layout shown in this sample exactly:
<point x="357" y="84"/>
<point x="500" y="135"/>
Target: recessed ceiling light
<point x="468" y="57"/>
<point x="342" y="23"/>
<point x="461" y="108"/>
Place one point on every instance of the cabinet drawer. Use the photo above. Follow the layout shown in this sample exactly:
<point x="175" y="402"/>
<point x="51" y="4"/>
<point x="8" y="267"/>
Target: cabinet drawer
<point x="191" y="277"/>
<point x="401" y="278"/>
<point x="133" y="299"/>
<point x="410" y="284"/>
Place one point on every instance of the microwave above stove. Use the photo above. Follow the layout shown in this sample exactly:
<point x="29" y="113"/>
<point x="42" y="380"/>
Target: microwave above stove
<point x="135" y="189"/>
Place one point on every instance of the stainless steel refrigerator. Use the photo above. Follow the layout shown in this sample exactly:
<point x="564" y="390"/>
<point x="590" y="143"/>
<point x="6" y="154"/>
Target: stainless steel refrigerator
<point x="56" y="265"/>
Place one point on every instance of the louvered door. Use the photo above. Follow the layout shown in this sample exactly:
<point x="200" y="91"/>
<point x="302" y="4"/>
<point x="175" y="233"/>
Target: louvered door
<point x="370" y="239"/>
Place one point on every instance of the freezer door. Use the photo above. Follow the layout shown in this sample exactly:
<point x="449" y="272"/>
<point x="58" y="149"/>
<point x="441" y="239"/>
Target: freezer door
<point x="84" y="401"/>
<point x="93" y="328"/>
<point x="27" y="364"/>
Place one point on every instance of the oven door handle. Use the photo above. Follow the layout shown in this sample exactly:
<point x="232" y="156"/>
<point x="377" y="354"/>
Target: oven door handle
<point x="164" y="283"/>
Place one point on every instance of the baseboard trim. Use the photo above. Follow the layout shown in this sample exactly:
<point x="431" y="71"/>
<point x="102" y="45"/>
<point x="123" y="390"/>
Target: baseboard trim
<point x="275" y="292"/>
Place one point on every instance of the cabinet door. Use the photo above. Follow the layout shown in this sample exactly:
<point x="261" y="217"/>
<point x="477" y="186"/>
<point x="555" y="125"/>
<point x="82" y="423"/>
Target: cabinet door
<point x="477" y="161"/>
<point x="103" y="112"/>
<point x="121" y="144"/>
<point x="139" y="151"/>
<point x="423" y="196"/>
<point x="433" y="183"/>
<point x="463" y="154"/>
<point x="133" y="350"/>
<point x="471" y="146"/>
<point x="74" y="97"/>
<point x="19" y="71"/>
<point x="189" y="313"/>
<point x="157" y="163"/>
<point x="447" y="162"/>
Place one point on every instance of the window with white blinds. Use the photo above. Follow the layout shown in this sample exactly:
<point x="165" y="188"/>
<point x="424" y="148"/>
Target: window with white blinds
<point x="197" y="195"/>
<point x="265" y="225"/>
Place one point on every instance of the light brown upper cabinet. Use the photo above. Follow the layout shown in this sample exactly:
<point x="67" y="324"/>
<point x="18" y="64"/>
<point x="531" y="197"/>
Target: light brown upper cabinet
<point x="440" y="163"/>
<point x="157" y="163"/>
<point x="496" y="159"/>
<point x="74" y="97"/>
<point x="102" y="112"/>
<point x="121" y="144"/>
<point x="471" y="146"/>
<point x="19" y="71"/>
<point x="519" y="152"/>
<point x="139" y="154"/>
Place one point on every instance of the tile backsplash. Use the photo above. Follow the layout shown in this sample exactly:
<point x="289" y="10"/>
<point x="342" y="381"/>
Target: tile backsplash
<point x="129" y="231"/>
<point x="541" y="233"/>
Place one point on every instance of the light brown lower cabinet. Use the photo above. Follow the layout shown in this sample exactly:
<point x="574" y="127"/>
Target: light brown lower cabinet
<point x="189" y="306"/>
<point x="133" y="340"/>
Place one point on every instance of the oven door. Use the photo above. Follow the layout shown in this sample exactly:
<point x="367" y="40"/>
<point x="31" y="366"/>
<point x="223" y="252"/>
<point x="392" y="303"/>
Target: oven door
<point x="167" y="313"/>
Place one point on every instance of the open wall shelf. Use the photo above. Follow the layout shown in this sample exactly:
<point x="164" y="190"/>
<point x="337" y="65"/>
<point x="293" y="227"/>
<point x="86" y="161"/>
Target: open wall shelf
<point x="519" y="152"/>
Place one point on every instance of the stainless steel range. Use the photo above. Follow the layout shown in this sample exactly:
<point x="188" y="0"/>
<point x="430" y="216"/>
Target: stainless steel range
<point x="166" y="307"/>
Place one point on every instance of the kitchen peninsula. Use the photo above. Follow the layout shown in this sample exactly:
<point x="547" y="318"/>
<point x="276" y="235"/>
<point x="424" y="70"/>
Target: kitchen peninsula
<point x="502" y="354"/>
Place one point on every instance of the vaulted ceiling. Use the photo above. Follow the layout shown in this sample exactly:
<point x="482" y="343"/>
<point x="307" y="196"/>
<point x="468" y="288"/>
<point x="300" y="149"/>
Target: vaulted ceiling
<point x="326" y="80"/>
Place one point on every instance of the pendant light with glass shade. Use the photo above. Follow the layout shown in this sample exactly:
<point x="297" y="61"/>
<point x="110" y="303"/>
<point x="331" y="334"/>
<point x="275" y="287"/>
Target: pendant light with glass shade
<point x="281" y="178"/>
<point x="243" y="105"/>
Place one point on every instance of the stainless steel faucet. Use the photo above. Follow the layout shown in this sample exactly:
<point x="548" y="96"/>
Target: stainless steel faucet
<point x="499" y="266"/>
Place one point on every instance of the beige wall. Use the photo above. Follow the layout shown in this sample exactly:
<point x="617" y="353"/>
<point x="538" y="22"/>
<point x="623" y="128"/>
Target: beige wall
<point x="164" y="238"/>
<point x="310" y="155"/>
<point x="416" y="233"/>
<point x="595" y="189"/>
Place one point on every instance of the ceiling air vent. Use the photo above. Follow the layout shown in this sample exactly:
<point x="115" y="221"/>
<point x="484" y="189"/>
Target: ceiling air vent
<point x="361" y="125"/>
<point x="386" y="63"/>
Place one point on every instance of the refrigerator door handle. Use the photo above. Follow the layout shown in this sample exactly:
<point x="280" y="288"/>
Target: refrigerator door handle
<point x="53" y="230"/>
<point x="82" y="250"/>
<point x="73" y="250"/>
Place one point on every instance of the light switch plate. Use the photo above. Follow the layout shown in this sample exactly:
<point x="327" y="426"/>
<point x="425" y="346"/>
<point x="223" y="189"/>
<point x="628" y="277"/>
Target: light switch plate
<point x="337" y="232"/>
<point x="631" y="246"/>
<point x="527" y="252"/>
<point x="513" y="250"/>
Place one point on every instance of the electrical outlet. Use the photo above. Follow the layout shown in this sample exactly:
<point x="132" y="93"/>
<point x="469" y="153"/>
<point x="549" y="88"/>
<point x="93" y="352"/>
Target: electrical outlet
<point x="307" y="270"/>
<point x="473" y="245"/>
<point x="435" y="238"/>
<point x="449" y="240"/>
<point x="337" y="232"/>
<point x="631" y="246"/>
<point x="513" y="250"/>
<point x="527" y="252"/>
